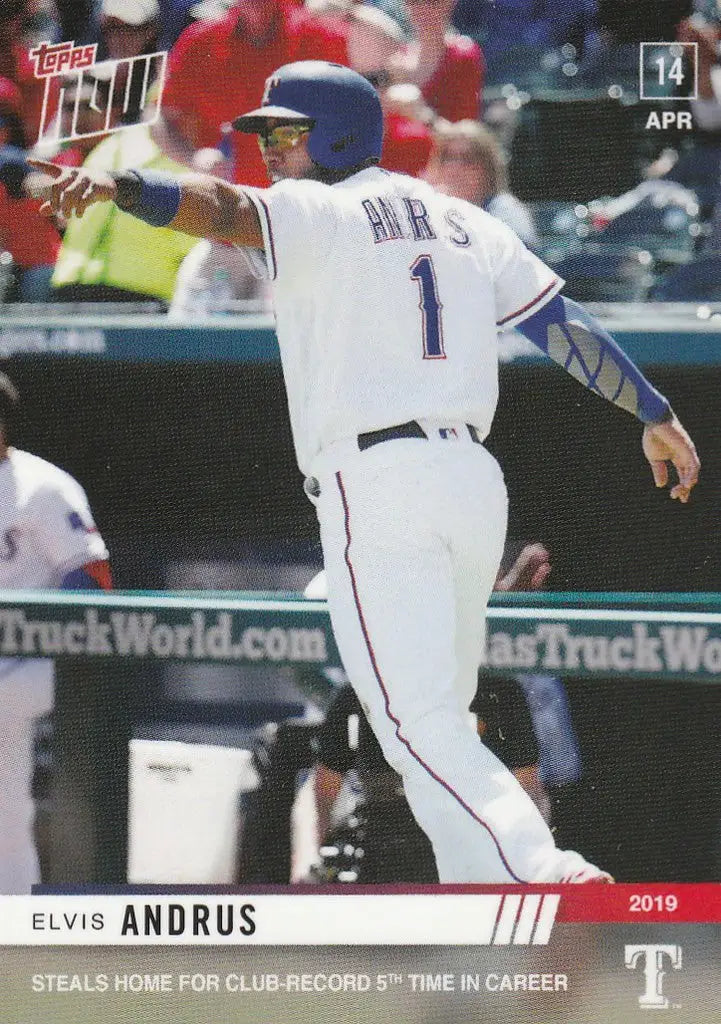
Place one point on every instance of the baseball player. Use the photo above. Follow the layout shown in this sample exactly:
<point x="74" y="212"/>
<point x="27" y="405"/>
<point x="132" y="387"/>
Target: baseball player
<point x="47" y="540"/>
<point x="388" y="299"/>
<point x="394" y="848"/>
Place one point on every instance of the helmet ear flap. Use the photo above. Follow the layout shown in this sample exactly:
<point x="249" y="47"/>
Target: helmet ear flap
<point x="342" y="144"/>
<point x="326" y="152"/>
<point x="339" y="144"/>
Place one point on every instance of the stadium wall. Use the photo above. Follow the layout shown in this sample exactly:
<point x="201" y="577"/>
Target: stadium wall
<point x="198" y="458"/>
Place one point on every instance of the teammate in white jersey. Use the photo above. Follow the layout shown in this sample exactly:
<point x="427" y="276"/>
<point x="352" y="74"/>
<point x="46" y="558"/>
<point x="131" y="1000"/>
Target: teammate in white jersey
<point x="389" y="298"/>
<point x="47" y="540"/>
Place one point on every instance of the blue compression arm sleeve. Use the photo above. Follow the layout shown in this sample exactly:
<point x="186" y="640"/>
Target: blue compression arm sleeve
<point x="574" y="339"/>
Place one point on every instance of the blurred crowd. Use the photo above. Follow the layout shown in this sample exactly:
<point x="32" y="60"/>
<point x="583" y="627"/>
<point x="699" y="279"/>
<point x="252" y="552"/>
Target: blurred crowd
<point x="624" y="213"/>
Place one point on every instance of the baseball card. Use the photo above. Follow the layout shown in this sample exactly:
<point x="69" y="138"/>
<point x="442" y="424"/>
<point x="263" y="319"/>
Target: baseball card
<point x="360" y="627"/>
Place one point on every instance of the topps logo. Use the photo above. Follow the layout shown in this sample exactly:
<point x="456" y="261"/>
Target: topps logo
<point x="64" y="65"/>
<point x="62" y="57"/>
<point x="652" y="958"/>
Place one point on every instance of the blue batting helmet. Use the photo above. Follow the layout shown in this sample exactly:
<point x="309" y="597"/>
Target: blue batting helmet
<point x="342" y="109"/>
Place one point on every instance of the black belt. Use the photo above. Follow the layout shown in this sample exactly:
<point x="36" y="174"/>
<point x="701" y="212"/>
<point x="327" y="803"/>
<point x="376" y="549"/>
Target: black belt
<point x="403" y="430"/>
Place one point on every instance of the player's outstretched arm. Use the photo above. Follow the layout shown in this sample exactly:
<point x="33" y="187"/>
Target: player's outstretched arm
<point x="197" y="204"/>
<point x="573" y="338"/>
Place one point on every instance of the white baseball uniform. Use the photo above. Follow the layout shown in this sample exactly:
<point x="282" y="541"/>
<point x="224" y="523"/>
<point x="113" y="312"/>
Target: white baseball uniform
<point x="389" y="298"/>
<point x="46" y="531"/>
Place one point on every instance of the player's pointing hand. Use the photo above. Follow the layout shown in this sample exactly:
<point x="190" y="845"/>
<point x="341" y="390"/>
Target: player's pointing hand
<point x="669" y="442"/>
<point x="69" y="190"/>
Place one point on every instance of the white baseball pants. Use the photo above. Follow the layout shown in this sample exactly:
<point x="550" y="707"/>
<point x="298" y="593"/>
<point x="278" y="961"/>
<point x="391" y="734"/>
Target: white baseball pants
<point x="412" y="533"/>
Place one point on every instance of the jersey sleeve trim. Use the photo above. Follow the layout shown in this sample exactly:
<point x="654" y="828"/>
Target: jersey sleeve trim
<point x="266" y="228"/>
<point x="93" y="575"/>
<point x="517" y="317"/>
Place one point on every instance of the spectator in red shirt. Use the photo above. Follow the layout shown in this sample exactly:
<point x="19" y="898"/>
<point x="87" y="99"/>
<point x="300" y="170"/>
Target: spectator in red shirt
<point x="218" y="68"/>
<point x="31" y="239"/>
<point x="16" y="65"/>
<point x="407" y="137"/>
<point x="448" y="68"/>
<point x="374" y="39"/>
<point x="11" y="107"/>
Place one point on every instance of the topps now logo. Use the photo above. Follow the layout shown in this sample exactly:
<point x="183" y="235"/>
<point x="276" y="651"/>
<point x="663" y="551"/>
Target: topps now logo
<point x="653" y="959"/>
<point x="59" y="63"/>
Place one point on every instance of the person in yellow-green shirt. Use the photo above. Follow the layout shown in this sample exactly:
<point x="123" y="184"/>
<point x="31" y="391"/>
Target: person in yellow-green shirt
<point x="100" y="258"/>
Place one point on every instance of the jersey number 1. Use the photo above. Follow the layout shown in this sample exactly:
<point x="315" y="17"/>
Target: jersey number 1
<point x="430" y="305"/>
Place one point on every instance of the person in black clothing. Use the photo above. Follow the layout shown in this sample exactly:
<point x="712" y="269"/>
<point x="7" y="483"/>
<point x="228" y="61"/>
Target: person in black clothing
<point x="380" y="841"/>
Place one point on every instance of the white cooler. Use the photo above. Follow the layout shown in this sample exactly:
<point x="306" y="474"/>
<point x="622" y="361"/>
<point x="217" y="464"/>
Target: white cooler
<point x="184" y="811"/>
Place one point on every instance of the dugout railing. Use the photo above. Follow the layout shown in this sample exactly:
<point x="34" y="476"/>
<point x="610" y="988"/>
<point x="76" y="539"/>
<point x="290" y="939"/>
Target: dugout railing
<point x="180" y="436"/>
<point x="105" y="645"/>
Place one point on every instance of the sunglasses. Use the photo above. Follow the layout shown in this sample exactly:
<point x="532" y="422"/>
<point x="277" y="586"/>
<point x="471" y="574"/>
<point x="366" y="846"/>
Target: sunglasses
<point x="285" y="136"/>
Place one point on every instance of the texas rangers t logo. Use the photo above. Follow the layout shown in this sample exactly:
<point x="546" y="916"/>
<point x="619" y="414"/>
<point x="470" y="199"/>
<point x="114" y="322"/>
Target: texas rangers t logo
<point x="270" y="84"/>
<point x="654" y="973"/>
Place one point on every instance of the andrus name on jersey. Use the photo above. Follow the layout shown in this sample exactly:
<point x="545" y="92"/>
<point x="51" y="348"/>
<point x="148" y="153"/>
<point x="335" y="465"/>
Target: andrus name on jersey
<point x="392" y="219"/>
